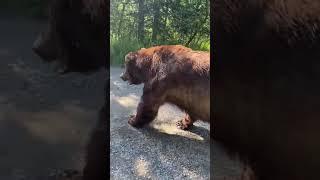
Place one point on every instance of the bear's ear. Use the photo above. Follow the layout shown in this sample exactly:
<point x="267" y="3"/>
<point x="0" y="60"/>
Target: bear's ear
<point x="130" y="56"/>
<point x="156" y="56"/>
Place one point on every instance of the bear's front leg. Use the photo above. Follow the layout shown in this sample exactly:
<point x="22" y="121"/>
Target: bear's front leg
<point x="147" y="109"/>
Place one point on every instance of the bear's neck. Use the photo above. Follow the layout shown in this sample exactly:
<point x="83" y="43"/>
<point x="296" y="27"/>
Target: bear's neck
<point x="147" y="70"/>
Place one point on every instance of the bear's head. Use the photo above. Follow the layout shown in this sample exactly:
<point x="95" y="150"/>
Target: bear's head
<point x="134" y="72"/>
<point x="75" y="38"/>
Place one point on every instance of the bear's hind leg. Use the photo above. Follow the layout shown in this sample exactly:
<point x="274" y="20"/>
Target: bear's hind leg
<point x="185" y="123"/>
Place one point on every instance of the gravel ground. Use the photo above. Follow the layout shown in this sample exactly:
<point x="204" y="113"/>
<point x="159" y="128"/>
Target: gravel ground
<point x="45" y="118"/>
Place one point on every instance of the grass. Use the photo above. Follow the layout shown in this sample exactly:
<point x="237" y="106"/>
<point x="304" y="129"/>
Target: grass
<point x="119" y="48"/>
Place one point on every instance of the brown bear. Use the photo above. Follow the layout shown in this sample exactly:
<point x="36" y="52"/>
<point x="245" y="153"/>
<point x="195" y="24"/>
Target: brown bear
<point x="266" y="85"/>
<point x="76" y="35"/>
<point x="171" y="74"/>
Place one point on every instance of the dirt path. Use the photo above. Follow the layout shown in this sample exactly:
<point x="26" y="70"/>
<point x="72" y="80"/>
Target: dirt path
<point x="44" y="118"/>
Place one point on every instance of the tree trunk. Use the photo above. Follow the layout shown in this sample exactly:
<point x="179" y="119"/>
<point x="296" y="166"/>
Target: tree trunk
<point x="156" y="16"/>
<point x="121" y="18"/>
<point x="165" y="19"/>
<point x="191" y="38"/>
<point x="141" y="21"/>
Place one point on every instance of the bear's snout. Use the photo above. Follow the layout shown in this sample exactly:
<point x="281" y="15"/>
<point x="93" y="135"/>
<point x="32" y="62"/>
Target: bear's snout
<point x="123" y="77"/>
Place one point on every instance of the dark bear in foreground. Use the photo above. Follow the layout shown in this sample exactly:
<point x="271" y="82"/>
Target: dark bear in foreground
<point x="76" y="37"/>
<point x="76" y="34"/>
<point x="266" y="87"/>
<point x="173" y="74"/>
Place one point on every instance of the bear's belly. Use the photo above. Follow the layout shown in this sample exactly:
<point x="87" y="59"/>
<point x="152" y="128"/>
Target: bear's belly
<point x="195" y="101"/>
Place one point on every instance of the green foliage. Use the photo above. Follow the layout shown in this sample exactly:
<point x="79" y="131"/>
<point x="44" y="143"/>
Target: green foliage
<point x="119" y="48"/>
<point x="183" y="22"/>
<point x="205" y="46"/>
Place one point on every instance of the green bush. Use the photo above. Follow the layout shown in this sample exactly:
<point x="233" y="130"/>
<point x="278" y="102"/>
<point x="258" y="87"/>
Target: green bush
<point x="205" y="46"/>
<point x="119" y="48"/>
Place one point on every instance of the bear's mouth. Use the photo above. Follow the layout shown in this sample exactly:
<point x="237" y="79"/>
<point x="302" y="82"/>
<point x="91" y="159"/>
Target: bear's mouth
<point x="129" y="79"/>
<point x="134" y="82"/>
<point x="131" y="82"/>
